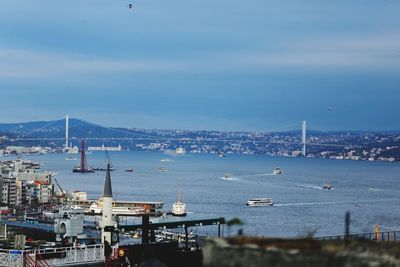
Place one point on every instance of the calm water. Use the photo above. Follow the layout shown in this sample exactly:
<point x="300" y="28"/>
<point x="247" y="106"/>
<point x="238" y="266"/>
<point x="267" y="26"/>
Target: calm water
<point x="301" y="204"/>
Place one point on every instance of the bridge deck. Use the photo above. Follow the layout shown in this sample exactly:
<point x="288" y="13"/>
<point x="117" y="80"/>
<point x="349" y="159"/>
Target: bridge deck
<point x="29" y="225"/>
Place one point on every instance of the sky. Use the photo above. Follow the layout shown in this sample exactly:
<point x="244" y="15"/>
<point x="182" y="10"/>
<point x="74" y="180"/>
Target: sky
<point x="251" y="65"/>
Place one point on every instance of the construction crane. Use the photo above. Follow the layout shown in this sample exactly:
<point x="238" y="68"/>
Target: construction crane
<point x="63" y="195"/>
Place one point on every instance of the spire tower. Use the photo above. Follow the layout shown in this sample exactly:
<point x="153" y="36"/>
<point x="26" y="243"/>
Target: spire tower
<point x="107" y="222"/>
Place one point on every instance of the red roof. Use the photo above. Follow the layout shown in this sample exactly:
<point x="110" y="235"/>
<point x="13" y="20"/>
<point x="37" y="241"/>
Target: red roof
<point x="37" y="182"/>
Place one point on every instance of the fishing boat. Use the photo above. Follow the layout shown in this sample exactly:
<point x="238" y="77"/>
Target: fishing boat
<point x="179" y="208"/>
<point x="129" y="170"/>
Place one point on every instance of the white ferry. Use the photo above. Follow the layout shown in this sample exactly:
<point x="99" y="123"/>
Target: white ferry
<point x="128" y="208"/>
<point x="179" y="208"/>
<point x="259" y="202"/>
<point x="95" y="208"/>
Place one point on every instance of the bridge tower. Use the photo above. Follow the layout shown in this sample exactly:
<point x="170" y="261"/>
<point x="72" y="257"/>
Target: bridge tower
<point x="66" y="131"/>
<point x="304" y="137"/>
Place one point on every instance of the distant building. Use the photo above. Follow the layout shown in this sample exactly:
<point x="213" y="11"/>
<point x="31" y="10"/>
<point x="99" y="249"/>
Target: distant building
<point x="104" y="148"/>
<point x="296" y="153"/>
<point x="79" y="196"/>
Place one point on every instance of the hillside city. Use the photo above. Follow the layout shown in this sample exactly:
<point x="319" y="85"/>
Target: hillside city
<point x="369" y="146"/>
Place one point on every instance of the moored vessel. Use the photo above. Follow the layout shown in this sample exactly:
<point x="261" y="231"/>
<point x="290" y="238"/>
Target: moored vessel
<point x="128" y="208"/>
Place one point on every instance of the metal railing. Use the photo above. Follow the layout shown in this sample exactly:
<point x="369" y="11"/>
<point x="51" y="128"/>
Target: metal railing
<point x="11" y="257"/>
<point x="381" y="236"/>
<point x="54" y="256"/>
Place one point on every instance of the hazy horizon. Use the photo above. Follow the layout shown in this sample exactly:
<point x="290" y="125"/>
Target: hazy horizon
<point x="290" y="128"/>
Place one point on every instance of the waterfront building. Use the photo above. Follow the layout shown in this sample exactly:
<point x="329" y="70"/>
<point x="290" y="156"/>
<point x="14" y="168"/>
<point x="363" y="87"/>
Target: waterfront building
<point x="22" y="182"/>
<point x="78" y="196"/>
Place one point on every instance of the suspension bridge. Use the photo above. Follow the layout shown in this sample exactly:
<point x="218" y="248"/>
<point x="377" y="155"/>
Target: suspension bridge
<point x="130" y="135"/>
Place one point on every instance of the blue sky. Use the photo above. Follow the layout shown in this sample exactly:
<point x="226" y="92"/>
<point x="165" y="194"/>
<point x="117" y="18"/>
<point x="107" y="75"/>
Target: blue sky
<point x="224" y="65"/>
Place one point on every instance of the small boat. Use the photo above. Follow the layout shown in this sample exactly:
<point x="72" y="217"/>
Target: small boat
<point x="129" y="170"/>
<point x="166" y="160"/>
<point x="228" y="176"/>
<point x="277" y="171"/>
<point x="220" y="154"/>
<point x="259" y="202"/>
<point x="162" y="169"/>
<point x="327" y="186"/>
<point x="70" y="158"/>
<point x="102" y="169"/>
<point x="78" y="170"/>
<point x="179" y="208"/>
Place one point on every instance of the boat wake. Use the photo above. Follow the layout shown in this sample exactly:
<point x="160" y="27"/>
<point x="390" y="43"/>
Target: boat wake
<point x="257" y="175"/>
<point x="313" y="203"/>
<point x="254" y="175"/>
<point x="229" y="178"/>
<point x="358" y="202"/>
<point x="310" y="186"/>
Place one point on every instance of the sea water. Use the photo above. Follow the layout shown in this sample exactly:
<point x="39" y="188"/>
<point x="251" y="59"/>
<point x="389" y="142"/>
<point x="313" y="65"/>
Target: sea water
<point x="369" y="190"/>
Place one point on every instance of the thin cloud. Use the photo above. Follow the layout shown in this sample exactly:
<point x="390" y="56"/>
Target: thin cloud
<point x="378" y="53"/>
<point x="25" y="63"/>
